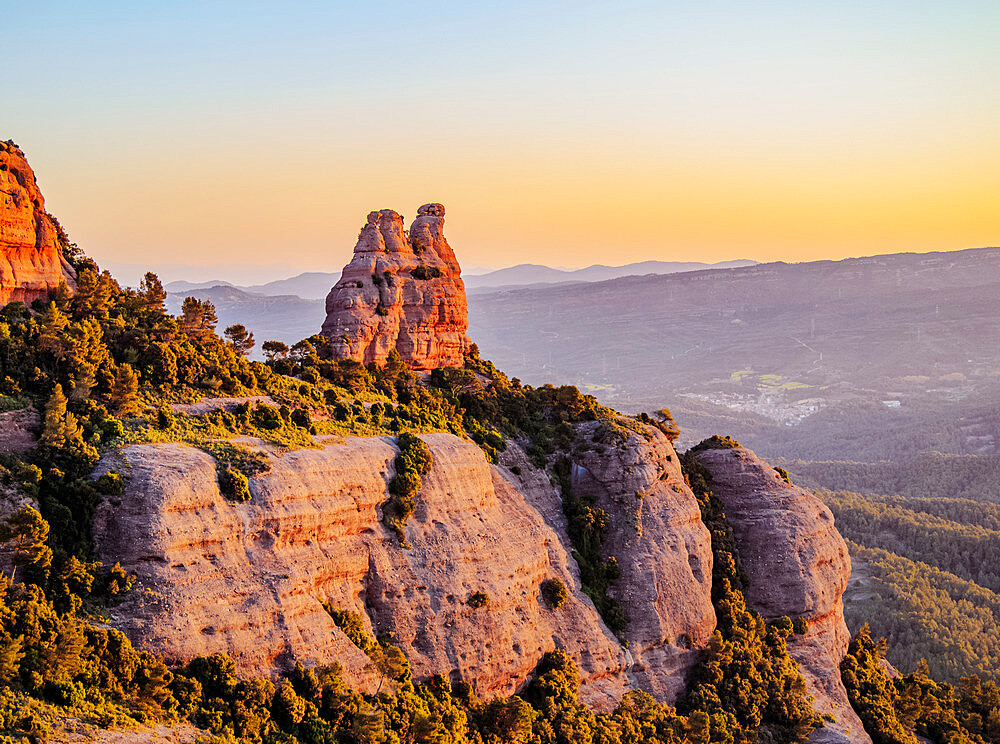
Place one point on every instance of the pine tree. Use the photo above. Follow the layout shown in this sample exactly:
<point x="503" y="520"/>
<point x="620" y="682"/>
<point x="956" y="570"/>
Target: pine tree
<point x="24" y="535"/>
<point x="125" y="391"/>
<point x="152" y="291"/>
<point x="60" y="428"/>
<point x="241" y="339"/>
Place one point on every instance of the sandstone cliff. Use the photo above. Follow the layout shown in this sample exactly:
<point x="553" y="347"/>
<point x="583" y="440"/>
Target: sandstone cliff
<point x="402" y="290"/>
<point x="248" y="579"/>
<point x="31" y="261"/>
<point x="797" y="565"/>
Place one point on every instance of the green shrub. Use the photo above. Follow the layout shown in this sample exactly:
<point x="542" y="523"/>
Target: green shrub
<point x="555" y="593"/>
<point x="478" y="600"/>
<point x="165" y="418"/>
<point x="353" y="627"/>
<point x="110" y="484"/>
<point x="413" y="461"/>
<point x="426" y="272"/>
<point x="249" y="462"/>
<point x="234" y="485"/>
<point x="716" y="442"/>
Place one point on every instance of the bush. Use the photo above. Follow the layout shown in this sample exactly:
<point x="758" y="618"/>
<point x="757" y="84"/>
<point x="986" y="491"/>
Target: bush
<point x="352" y="626"/>
<point x="555" y="593"/>
<point x="414" y="460"/>
<point x="110" y="484"/>
<point x="426" y="272"/>
<point x="234" y="485"/>
<point x="165" y="418"/>
<point x="716" y="442"/>
<point x="478" y="600"/>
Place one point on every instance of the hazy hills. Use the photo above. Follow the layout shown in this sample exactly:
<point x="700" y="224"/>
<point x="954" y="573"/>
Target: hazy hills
<point x="798" y="360"/>
<point x="782" y="349"/>
<point x="316" y="284"/>
<point x="536" y="274"/>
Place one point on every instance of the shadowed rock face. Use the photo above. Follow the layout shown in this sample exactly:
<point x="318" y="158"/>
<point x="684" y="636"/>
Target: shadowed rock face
<point x="402" y="290"/>
<point x="664" y="552"/>
<point x="797" y="565"/>
<point x="31" y="263"/>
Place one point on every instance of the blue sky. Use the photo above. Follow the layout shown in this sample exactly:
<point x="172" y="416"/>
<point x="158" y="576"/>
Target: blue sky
<point x="561" y="133"/>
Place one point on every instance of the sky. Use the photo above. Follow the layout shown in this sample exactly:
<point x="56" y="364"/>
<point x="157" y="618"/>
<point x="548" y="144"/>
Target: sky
<point x="252" y="138"/>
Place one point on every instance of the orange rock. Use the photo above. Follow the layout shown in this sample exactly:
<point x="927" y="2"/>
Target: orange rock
<point x="249" y="579"/>
<point x="797" y="565"/>
<point x="402" y="290"/>
<point x="31" y="262"/>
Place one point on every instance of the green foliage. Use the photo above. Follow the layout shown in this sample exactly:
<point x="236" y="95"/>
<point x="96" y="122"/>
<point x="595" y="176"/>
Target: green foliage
<point x="588" y="526"/>
<point x="233" y="484"/>
<point x="716" y="442"/>
<point x="554" y="592"/>
<point x="746" y="682"/>
<point x="478" y="600"/>
<point x="426" y="272"/>
<point x="413" y="461"/>
<point x="237" y="457"/>
<point x="353" y="627"/>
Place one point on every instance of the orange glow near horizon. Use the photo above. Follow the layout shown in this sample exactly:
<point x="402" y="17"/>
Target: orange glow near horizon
<point x="243" y="135"/>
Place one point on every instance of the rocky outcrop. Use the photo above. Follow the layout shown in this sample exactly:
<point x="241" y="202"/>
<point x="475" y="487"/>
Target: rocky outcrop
<point x="797" y="565"/>
<point x="663" y="549"/>
<point x="402" y="290"/>
<point x="31" y="261"/>
<point x="249" y="579"/>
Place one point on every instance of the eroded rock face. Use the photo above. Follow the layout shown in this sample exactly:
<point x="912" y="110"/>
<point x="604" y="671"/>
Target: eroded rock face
<point x="402" y="290"/>
<point x="663" y="549"/>
<point x="797" y="565"/>
<point x="248" y="579"/>
<point x="31" y="263"/>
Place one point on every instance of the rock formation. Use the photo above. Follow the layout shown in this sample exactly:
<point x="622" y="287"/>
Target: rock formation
<point x="250" y="579"/>
<point x="402" y="290"/>
<point x="663" y="549"/>
<point x="797" y="565"/>
<point x="31" y="261"/>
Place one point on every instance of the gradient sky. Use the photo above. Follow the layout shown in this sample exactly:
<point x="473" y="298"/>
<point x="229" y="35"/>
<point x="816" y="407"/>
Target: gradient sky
<point x="565" y="133"/>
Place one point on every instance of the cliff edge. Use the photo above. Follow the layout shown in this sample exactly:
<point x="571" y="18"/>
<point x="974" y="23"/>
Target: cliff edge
<point x="31" y="261"/>
<point x="797" y="565"/>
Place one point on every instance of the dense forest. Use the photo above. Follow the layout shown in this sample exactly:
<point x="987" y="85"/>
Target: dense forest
<point x="928" y="475"/>
<point x="927" y="568"/>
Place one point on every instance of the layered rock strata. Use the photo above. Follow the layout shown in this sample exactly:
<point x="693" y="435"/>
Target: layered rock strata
<point x="402" y="290"/>
<point x="798" y="566"/>
<point x="250" y="579"/>
<point x="31" y="261"/>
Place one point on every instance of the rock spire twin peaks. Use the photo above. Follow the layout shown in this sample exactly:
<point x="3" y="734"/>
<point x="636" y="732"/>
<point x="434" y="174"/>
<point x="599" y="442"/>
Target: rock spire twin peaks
<point x="402" y="290"/>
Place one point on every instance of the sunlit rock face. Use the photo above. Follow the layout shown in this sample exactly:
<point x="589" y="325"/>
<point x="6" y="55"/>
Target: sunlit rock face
<point x="402" y="290"/>
<point x="31" y="263"/>
<point x="797" y="565"/>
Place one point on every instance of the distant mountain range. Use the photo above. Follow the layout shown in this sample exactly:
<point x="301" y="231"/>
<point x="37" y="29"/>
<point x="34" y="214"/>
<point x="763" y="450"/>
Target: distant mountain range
<point x="314" y="285"/>
<point x="537" y="274"/>
<point x="865" y="358"/>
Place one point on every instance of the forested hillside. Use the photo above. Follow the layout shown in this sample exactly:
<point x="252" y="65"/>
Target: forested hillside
<point x="926" y="558"/>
